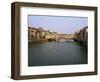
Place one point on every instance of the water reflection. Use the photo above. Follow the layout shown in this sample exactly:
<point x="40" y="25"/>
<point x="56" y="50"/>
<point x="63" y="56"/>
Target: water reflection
<point x="56" y="53"/>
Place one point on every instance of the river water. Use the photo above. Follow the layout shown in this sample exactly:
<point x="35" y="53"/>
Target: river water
<point x="56" y="53"/>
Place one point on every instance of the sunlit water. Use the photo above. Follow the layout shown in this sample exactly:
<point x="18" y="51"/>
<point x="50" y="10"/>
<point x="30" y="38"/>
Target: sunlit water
<point x="56" y="53"/>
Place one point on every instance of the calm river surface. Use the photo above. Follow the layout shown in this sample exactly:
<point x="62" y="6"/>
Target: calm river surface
<point x="56" y="53"/>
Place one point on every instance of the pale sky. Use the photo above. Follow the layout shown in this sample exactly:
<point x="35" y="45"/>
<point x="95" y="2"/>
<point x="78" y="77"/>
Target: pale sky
<point x="60" y="24"/>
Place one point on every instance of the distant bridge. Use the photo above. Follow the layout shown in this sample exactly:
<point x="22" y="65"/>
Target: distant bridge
<point x="67" y="36"/>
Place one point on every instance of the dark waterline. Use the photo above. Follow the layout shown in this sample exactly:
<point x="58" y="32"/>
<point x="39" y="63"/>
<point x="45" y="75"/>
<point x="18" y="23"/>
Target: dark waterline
<point x="56" y="53"/>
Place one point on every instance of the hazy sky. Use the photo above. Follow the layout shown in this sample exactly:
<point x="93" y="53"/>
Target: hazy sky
<point x="60" y="24"/>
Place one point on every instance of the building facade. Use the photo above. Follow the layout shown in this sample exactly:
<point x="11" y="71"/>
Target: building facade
<point x="82" y="35"/>
<point x="39" y="33"/>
